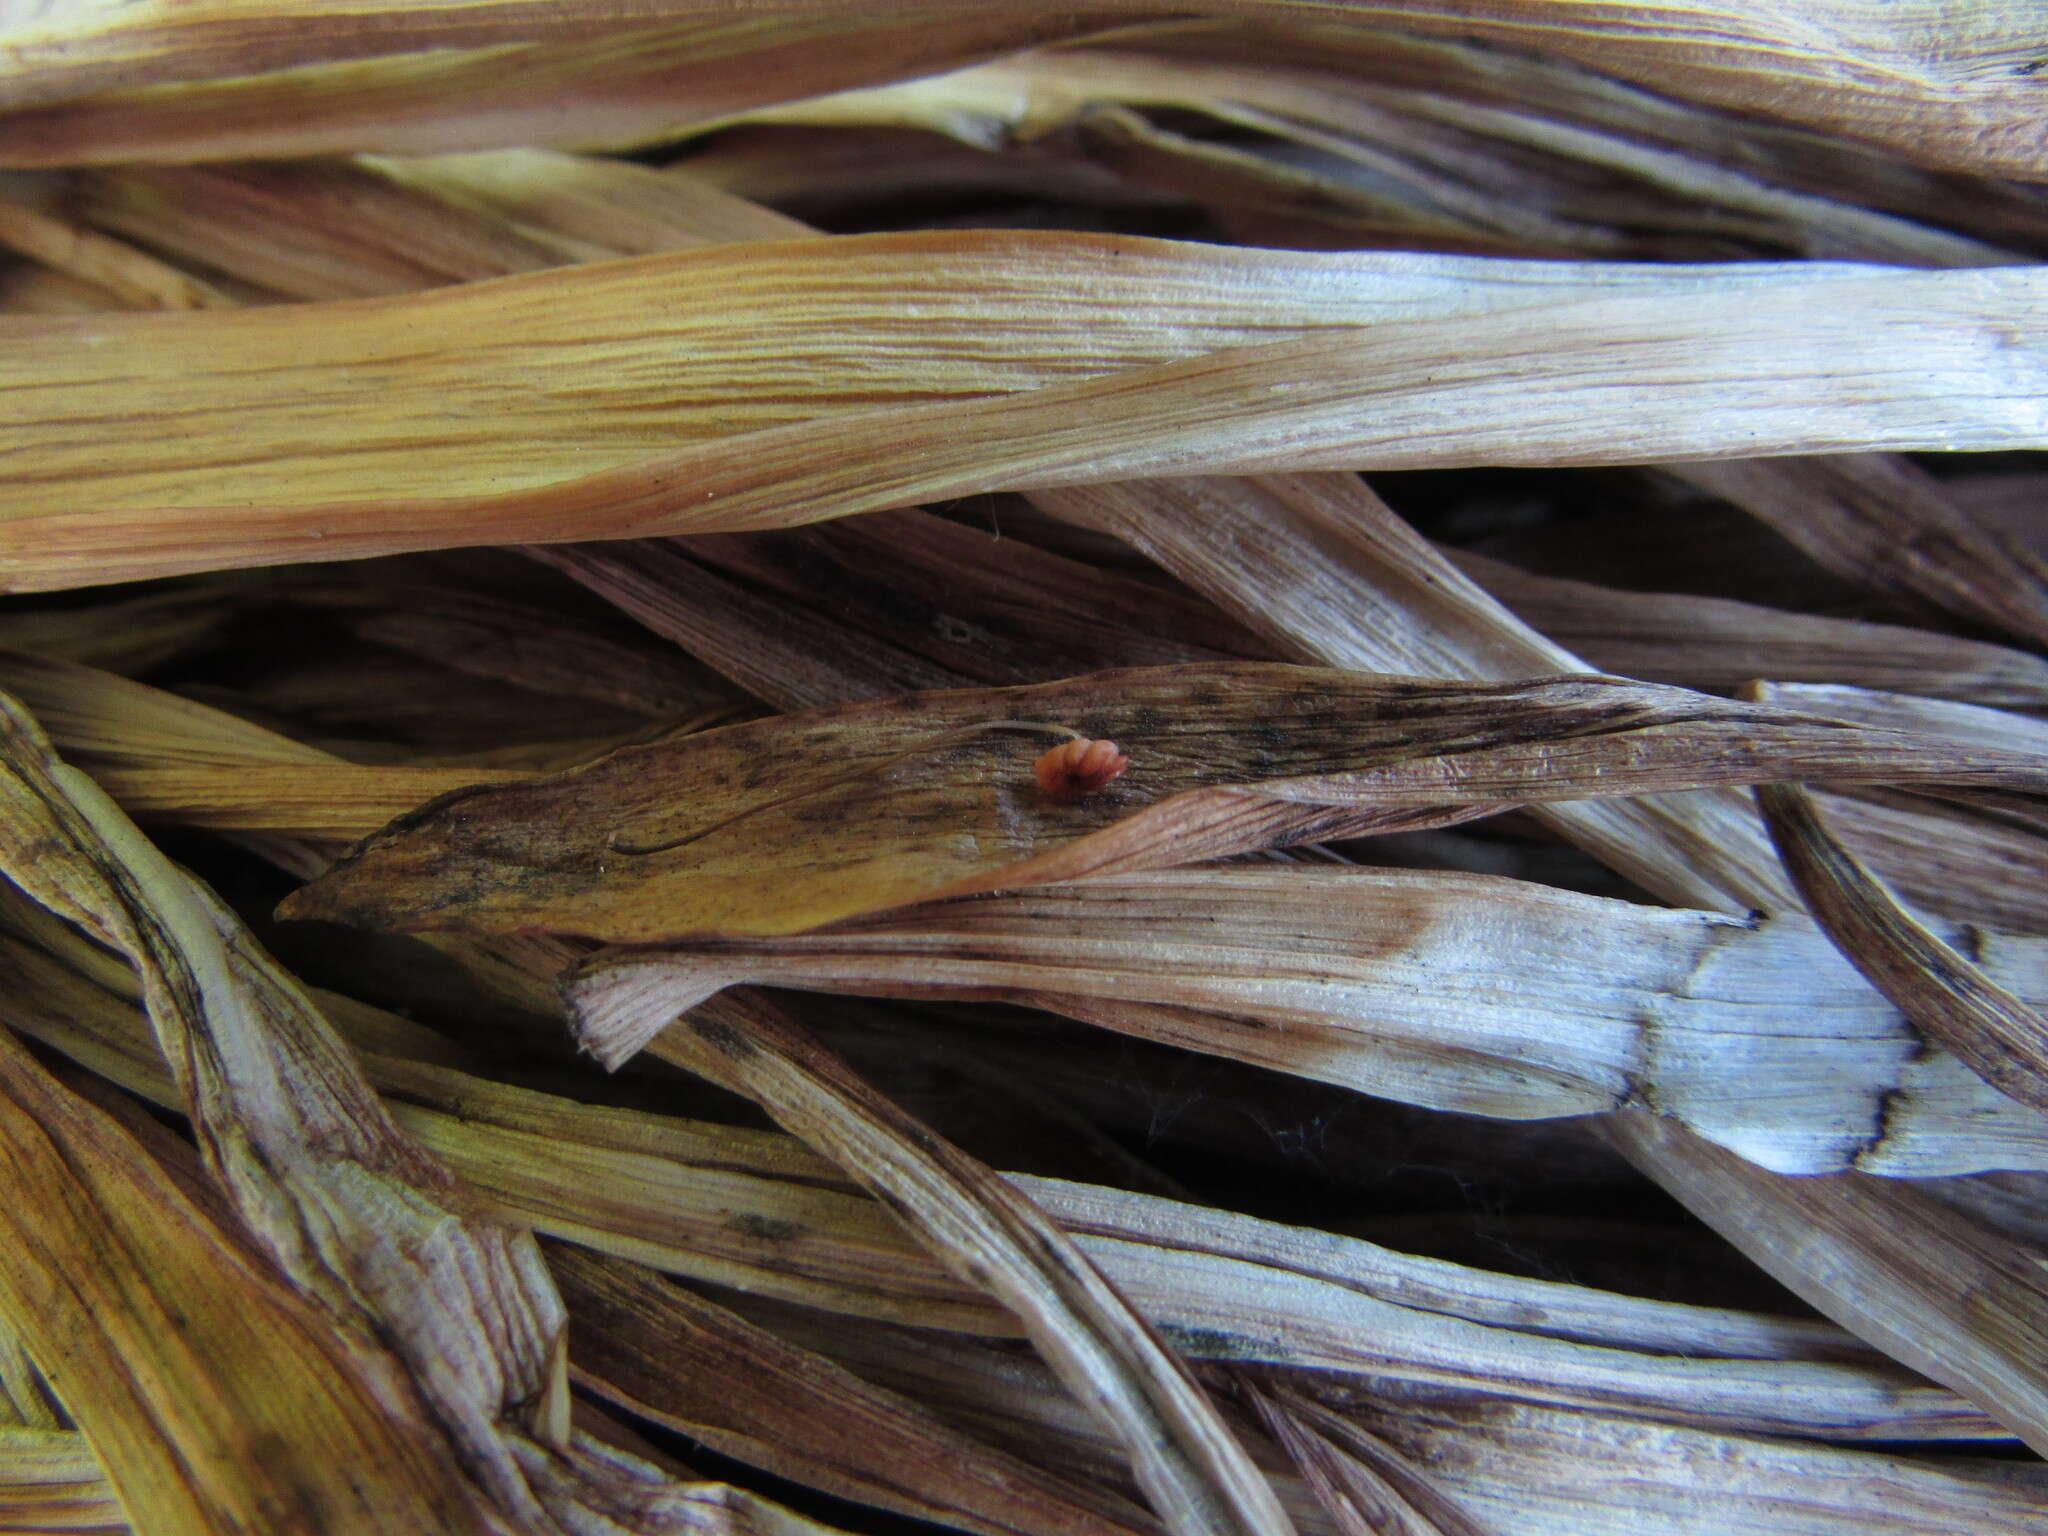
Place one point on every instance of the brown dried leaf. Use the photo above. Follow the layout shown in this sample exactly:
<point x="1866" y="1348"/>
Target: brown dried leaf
<point x="605" y="207"/>
<point x="1321" y="142"/>
<point x="347" y="1205"/>
<point x="755" y="1210"/>
<point x="1324" y="570"/>
<point x="1346" y="581"/>
<point x="131" y="279"/>
<point x="1526" y="1470"/>
<point x="932" y="795"/>
<point x="222" y="81"/>
<point x="891" y="603"/>
<point x="314" y="230"/>
<point x="1467" y="69"/>
<point x="51" y="1480"/>
<point x="163" y="757"/>
<point x="1717" y="643"/>
<point x="1966" y="724"/>
<point x="129" y="631"/>
<point x="1542" y="1472"/>
<point x="1368" y="1487"/>
<point x="1958" y="865"/>
<point x="1890" y="526"/>
<point x="697" y="1368"/>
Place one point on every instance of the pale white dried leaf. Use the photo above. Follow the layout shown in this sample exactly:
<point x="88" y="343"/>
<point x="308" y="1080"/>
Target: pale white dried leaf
<point x="1457" y="992"/>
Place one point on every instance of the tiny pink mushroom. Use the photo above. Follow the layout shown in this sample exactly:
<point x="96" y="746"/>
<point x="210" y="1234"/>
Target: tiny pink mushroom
<point x="1076" y="768"/>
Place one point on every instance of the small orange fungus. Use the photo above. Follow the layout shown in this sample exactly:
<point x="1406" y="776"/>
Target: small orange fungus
<point x="1079" y="767"/>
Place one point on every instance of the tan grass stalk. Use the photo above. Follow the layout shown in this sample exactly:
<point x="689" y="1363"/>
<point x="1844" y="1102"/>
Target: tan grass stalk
<point x="1942" y="90"/>
<point x="316" y="414"/>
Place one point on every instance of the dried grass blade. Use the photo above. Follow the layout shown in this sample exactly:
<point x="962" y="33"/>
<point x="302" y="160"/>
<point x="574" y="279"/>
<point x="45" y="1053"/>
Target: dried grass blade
<point x="473" y="635"/>
<point x="1698" y="850"/>
<point x="932" y="795"/>
<point x="608" y="207"/>
<point x="1176" y="387"/>
<point x="362" y="1219"/>
<point x="1192" y="1469"/>
<point x="754" y="1210"/>
<point x="1321" y="144"/>
<point x="404" y="81"/>
<point x="1963" y="723"/>
<point x="50" y="1480"/>
<point x="1521" y="1469"/>
<point x="218" y="1398"/>
<point x="1963" y="867"/>
<point x="1367" y="1486"/>
<point x="25" y="1396"/>
<point x="610" y="335"/>
<point x="1323" y="569"/>
<point x="2004" y="1040"/>
<point x="1890" y="526"/>
<point x="1532" y="83"/>
<point x="697" y="1368"/>
<point x="346" y="1204"/>
<point x="1954" y="99"/>
<point x="1541" y="1472"/>
<point x="1956" y="1301"/>
<point x="1717" y="644"/>
<point x="791" y="655"/>
<point x="131" y="278"/>
<point x="130" y="633"/>
<point x="314" y="230"/>
<point x="164" y="757"/>
<point x="1456" y="992"/>
<point x="891" y="603"/>
<point x="992" y="610"/>
<point x="1951" y="95"/>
